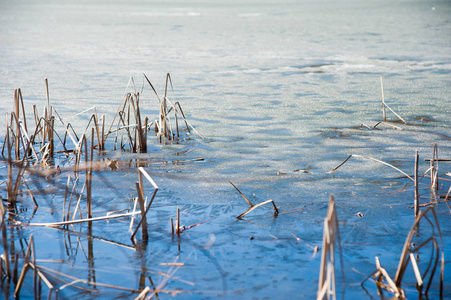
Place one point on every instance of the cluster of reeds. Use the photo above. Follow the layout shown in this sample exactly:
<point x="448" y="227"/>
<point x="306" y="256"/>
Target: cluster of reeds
<point x="25" y="146"/>
<point x="135" y="127"/>
<point x="410" y="255"/>
<point x="30" y="154"/>
<point x="22" y="140"/>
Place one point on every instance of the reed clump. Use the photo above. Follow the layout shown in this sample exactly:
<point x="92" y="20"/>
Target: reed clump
<point x="28" y="149"/>
<point x="50" y="147"/>
<point x="424" y="277"/>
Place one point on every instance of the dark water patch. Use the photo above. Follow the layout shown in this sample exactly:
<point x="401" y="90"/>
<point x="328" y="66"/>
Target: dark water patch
<point x="247" y="151"/>
<point x="275" y="132"/>
<point x="426" y="119"/>
<point x="307" y="94"/>
<point x="334" y="134"/>
<point x="251" y="119"/>
<point x="313" y="66"/>
<point x="355" y="73"/>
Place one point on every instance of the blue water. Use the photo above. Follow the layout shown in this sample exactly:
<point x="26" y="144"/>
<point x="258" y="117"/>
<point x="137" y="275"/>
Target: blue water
<point x="279" y="90"/>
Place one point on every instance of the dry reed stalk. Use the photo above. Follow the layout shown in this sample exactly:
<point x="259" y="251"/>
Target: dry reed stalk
<point x="57" y="224"/>
<point x="43" y="278"/>
<point x="276" y="211"/>
<point x="50" y="271"/>
<point x="16" y="268"/>
<point x="31" y="195"/>
<point x="39" y="128"/>
<point x="373" y="159"/>
<point x="29" y="141"/>
<point x="405" y="255"/>
<point x="50" y="121"/>
<point x="331" y="237"/>
<point x="138" y="143"/>
<point x="5" y="256"/>
<point x="89" y="176"/>
<point x="169" y="275"/>
<point x="252" y="206"/>
<point x="197" y="224"/>
<point x="434" y="168"/>
<point x="177" y="222"/>
<point x="144" y="216"/>
<point x="188" y="125"/>
<point x="143" y="294"/>
<point x="65" y="197"/>
<point x="9" y="182"/>
<point x="67" y="132"/>
<point x="77" y="207"/>
<point x="245" y="198"/>
<point x="119" y="110"/>
<point x="133" y="217"/>
<point x="382" y="274"/>
<point x="99" y="133"/>
<point x="163" y="126"/>
<point x="103" y="133"/>
<point x="389" y="125"/>
<point x="416" y="270"/>
<point x="142" y="207"/>
<point x="141" y="140"/>
<point x="172" y="227"/>
<point x="417" y="194"/>
<point x="13" y="184"/>
<point x="17" y="135"/>
<point x="30" y="252"/>
<point x="78" y="152"/>
<point x="383" y="100"/>
<point x="384" y="105"/>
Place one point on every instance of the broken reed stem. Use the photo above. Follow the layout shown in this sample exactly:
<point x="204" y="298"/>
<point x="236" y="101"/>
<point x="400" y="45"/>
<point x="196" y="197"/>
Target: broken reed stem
<point x="17" y="135"/>
<point x="384" y="105"/>
<point x="276" y="211"/>
<point x="48" y="271"/>
<point x="252" y="206"/>
<point x="172" y="227"/>
<point x="434" y="168"/>
<point x="373" y="159"/>
<point x="30" y="252"/>
<point x="103" y="132"/>
<point x="142" y="207"/>
<point x="9" y="182"/>
<point x="89" y="175"/>
<point x="245" y="198"/>
<point x="177" y="222"/>
<point x="50" y="121"/>
<point x="145" y="174"/>
<point x="417" y="194"/>
<point x="65" y="197"/>
<point x="57" y="224"/>
<point x="326" y="284"/>
<point x="99" y="139"/>
<point x="404" y="260"/>
<point x="416" y="270"/>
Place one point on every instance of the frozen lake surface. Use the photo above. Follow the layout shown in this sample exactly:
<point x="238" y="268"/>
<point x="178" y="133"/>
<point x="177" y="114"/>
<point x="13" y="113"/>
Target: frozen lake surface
<point x="279" y="90"/>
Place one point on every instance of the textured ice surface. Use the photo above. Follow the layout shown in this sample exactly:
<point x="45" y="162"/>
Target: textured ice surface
<point x="277" y="88"/>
